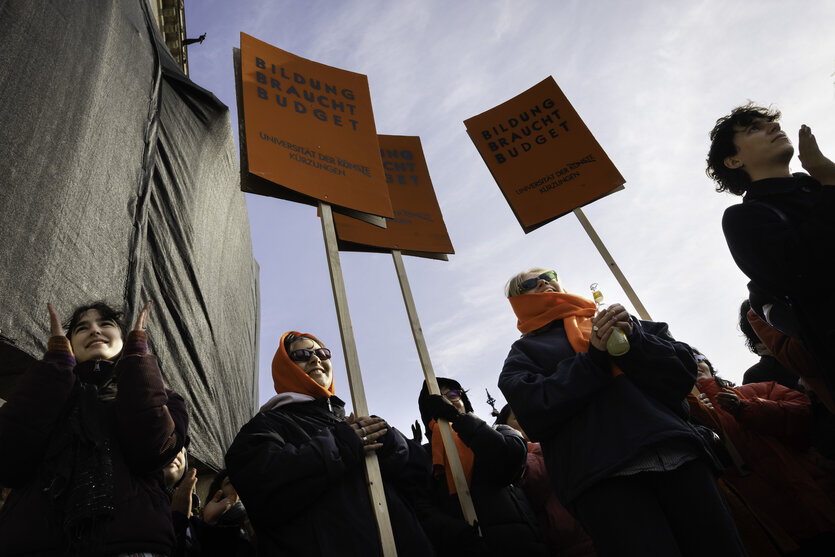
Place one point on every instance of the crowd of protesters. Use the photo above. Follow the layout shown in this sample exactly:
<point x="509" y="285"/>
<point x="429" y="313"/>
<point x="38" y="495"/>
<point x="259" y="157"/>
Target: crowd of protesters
<point x="641" y="452"/>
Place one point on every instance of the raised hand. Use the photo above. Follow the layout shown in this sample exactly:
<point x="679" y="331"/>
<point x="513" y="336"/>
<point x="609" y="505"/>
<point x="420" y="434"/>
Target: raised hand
<point x="369" y="429"/>
<point x="814" y="162"/>
<point x="438" y="406"/>
<point x="417" y="432"/>
<point x="143" y="317"/>
<point x="181" y="500"/>
<point x="55" y="327"/>
<point x="217" y="507"/>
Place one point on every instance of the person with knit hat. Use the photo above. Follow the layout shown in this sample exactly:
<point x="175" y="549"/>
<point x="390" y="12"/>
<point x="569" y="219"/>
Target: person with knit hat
<point x="614" y="433"/>
<point x="493" y="458"/>
<point x="298" y="465"/>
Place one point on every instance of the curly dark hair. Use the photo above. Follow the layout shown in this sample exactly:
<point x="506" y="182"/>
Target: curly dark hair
<point x="732" y="180"/>
<point x="105" y="310"/>
<point x="751" y="338"/>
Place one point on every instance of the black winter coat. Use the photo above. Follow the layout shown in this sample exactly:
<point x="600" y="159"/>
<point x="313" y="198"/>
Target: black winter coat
<point x="590" y="424"/>
<point x="508" y="524"/>
<point x="145" y="425"/>
<point x="789" y="254"/>
<point x="299" y="470"/>
<point x="769" y="369"/>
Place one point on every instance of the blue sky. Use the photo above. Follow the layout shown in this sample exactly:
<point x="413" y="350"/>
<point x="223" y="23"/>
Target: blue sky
<point x="648" y="78"/>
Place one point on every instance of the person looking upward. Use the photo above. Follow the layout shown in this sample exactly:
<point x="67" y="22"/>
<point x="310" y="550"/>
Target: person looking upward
<point x="781" y="234"/>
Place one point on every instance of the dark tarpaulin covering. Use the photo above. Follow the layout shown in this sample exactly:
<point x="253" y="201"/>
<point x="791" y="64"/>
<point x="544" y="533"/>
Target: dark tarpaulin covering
<point x="120" y="182"/>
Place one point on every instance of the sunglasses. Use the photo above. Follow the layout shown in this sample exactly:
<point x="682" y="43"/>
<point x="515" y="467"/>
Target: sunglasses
<point x="453" y="394"/>
<point x="699" y="358"/>
<point x="303" y="354"/>
<point x="547" y="276"/>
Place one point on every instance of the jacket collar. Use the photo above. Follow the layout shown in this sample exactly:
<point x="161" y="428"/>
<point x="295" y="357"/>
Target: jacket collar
<point x="96" y="372"/>
<point x="775" y="186"/>
<point x="332" y="404"/>
<point x="282" y="399"/>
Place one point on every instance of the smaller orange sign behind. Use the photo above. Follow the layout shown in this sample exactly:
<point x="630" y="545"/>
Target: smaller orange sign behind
<point x="541" y="154"/>
<point x="418" y="225"/>
<point x="310" y="128"/>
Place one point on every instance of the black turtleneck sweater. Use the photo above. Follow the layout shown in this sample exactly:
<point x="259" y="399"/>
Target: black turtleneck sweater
<point x="781" y="237"/>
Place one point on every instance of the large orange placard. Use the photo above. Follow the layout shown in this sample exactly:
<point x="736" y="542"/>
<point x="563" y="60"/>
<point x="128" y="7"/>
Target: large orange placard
<point x="310" y="128"/>
<point x="418" y="225"/>
<point x="541" y="154"/>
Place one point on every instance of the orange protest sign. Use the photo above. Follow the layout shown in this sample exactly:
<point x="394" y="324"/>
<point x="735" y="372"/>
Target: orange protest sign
<point x="309" y="128"/>
<point x="418" y="225"/>
<point x="541" y="154"/>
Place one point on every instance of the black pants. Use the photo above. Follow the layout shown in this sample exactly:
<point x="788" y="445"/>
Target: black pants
<point x="663" y="514"/>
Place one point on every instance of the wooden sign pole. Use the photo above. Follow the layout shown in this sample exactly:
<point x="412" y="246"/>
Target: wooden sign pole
<point x="458" y="477"/>
<point x="349" y="348"/>
<point x="607" y="257"/>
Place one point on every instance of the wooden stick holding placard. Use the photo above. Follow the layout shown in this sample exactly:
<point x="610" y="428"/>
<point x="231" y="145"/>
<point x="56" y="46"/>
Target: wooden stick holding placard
<point x="349" y="348"/>
<point x="607" y="257"/>
<point x="458" y="477"/>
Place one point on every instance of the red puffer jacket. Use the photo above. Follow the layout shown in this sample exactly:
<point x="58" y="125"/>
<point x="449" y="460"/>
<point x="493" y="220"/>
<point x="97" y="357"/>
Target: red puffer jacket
<point x="771" y="431"/>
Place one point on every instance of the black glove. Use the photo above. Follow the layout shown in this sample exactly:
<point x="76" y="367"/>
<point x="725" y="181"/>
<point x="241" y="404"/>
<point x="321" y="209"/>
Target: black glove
<point x="439" y="407"/>
<point x="417" y="433"/>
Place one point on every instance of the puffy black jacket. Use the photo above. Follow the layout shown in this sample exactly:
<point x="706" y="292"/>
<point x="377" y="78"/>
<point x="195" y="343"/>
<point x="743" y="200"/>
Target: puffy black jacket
<point x="145" y="424"/>
<point x="299" y="470"/>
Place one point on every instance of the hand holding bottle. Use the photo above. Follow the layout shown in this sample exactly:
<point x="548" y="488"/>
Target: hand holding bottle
<point x="610" y="326"/>
<point x="607" y="322"/>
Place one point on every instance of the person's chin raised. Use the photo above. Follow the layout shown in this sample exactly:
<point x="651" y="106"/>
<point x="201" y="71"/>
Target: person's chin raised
<point x="320" y="377"/>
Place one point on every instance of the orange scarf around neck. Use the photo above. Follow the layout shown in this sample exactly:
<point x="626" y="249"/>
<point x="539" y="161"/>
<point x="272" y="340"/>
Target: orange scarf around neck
<point x="289" y="378"/>
<point x="440" y="463"/>
<point x="534" y="311"/>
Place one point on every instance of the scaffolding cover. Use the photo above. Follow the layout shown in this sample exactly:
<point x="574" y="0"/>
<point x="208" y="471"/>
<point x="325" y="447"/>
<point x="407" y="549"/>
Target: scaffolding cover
<point x="120" y="182"/>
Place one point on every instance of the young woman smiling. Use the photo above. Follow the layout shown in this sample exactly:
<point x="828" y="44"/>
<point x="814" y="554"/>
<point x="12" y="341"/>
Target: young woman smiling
<point x="298" y="465"/>
<point x="84" y="439"/>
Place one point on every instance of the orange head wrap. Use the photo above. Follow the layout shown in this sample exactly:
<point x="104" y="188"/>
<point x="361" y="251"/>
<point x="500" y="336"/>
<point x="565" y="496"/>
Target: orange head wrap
<point x="289" y="378"/>
<point x="534" y="311"/>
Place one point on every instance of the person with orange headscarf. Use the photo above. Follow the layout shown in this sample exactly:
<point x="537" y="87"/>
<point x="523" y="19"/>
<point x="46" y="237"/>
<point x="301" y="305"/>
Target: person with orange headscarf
<point x="298" y="465"/>
<point x="614" y="433"/>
